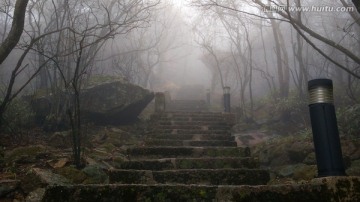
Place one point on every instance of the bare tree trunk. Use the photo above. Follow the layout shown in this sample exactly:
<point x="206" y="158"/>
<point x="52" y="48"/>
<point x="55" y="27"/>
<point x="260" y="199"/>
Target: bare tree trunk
<point x="357" y="4"/>
<point x="250" y="70"/>
<point x="278" y="58"/>
<point x="270" y="81"/>
<point x="75" y="115"/>
<point x="43" y="76"/>
<point x="16" y="30"/>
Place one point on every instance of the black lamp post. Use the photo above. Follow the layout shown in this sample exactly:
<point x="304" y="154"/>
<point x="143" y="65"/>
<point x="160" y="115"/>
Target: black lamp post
<point x="226" y="99"/>
<point x="325" y="130"/>
<point x="208" y="97"/>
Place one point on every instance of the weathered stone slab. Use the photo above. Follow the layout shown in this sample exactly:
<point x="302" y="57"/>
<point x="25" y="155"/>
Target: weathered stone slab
<point x="49" y="178"/>
<point x="196" y="143"/>
<point x="193" y="137"/>
<point x="180" y="123"/>
<point x="186" y="105"/>
<point x="191" y="176"/>
<point x="173" y="152"/>
<point x="320" y="190"/>
<point x="190" y="131"/>
<point x="215" y="163"/>
<point x="345" y="189"/>
<point x="195" y="127"/>
<point x="189" y="163"/>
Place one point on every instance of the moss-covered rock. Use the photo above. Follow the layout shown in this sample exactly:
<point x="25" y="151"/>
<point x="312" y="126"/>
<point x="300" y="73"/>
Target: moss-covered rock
<point x="74" y="175"/>
<point x="23" y="155"/>
<point x="96" y="175"/>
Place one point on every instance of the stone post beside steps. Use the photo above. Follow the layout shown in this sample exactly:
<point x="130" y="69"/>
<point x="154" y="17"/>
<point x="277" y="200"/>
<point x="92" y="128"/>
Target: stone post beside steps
<point x="208" y="97"/>
<point x="160" y="102"/>
<point x="226" y="99"/>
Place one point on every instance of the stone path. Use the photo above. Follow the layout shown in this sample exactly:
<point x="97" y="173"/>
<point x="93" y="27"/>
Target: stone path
<point x="190" y="148"/>
<point x="190" y="155"/>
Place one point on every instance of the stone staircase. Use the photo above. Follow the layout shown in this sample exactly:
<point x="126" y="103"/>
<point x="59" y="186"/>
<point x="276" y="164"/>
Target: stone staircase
<point x="187" y="105"/>
<point x="190" y="155"/>
<point x="190" y="148"/>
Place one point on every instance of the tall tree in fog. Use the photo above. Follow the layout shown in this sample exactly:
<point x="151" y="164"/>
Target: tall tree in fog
<point x="142" y="53"/>
<point x="206" y="42"/>
<point x="301" y="28"/>
<point x="242" y="54"/>
<point x="306" y="32"/>
<point x="300" y="74"/>
<point x="66" y="37"/>
<point x="7" y="45"/>
<point x="92" y="25"/>
<point x="283" y="68"/>
<point x="357" y="4"/>
<point x="17" y="27"/>
<point x="332" y="35"/>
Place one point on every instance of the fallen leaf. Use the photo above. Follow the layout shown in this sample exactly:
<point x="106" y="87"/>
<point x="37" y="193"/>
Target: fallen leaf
<point x="61" y="163"/>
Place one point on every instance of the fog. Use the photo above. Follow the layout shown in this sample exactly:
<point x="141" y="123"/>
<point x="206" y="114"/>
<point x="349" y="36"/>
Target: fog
<point x="256" y="49"/>
<point x="179" y="100"/>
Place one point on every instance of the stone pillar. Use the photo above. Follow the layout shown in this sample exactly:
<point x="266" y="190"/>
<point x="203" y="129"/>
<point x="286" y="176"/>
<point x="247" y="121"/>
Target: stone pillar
<point x="208" y="97"/>
<point x="159" y="102"/>
<point x="226" y="99"/>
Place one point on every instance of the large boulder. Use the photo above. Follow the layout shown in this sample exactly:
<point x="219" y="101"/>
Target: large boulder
<point x="113" y="102"/>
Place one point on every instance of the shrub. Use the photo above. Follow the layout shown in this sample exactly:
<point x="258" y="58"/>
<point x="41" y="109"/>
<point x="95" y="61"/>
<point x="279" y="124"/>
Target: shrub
<point x="349" y="120"/>
<point x="18" y="116"/>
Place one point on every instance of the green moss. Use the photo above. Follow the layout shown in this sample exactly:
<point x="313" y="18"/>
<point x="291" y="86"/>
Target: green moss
<point x="73" y="174"/>
<point x="100" y="79"/>
<point x="203" y="193"/>
<point x="28" y="154"/>
<point x="242" y="194"/>
<point x="109" y="147"/>
<point x="160" y="196"/>
<point x="211" y="152"/>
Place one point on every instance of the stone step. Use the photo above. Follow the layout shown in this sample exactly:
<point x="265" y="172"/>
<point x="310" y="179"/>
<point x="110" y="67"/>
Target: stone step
<point x="195" y="127"/>
<point x="191" y="176"/>
<point x="189" y="131"/>
<point x="176" y="152"/>
<point x="192" y="105"/>
<point x="320" y="189"/>
<point x="200" y="123"/>
<point x="198" y="137"/>
<point x="189" y="163"/>
<point x="196" y="143"/>
<point x="198" y="114"/>
<point x="186" y="108"/>
<point x="202" y="119"/>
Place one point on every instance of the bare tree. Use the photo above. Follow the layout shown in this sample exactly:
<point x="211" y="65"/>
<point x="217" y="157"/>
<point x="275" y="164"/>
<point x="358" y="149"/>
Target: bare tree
<point x="16" y="30"/>
<point x="357" y="5"/>
<point x="141" y="57"/>
<point x="67" y="36"/>
<point x="307" y="33"/>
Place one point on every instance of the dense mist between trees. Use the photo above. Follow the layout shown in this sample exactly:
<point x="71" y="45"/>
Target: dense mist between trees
<point x="265" y="51"/>
<point x="85" y="82"/>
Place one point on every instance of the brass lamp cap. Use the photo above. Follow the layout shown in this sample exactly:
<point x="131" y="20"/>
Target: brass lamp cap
<point x="320" y="91"/>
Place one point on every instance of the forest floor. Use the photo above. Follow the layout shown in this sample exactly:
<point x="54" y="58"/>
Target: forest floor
<point x="290" y="158"/>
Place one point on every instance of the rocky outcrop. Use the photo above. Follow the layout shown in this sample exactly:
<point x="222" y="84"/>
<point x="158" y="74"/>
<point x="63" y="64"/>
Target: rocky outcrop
<point x="114" y="102"/>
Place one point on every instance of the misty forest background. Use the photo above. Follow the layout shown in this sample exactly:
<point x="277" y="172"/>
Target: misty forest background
<point x="265" y="57"/>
